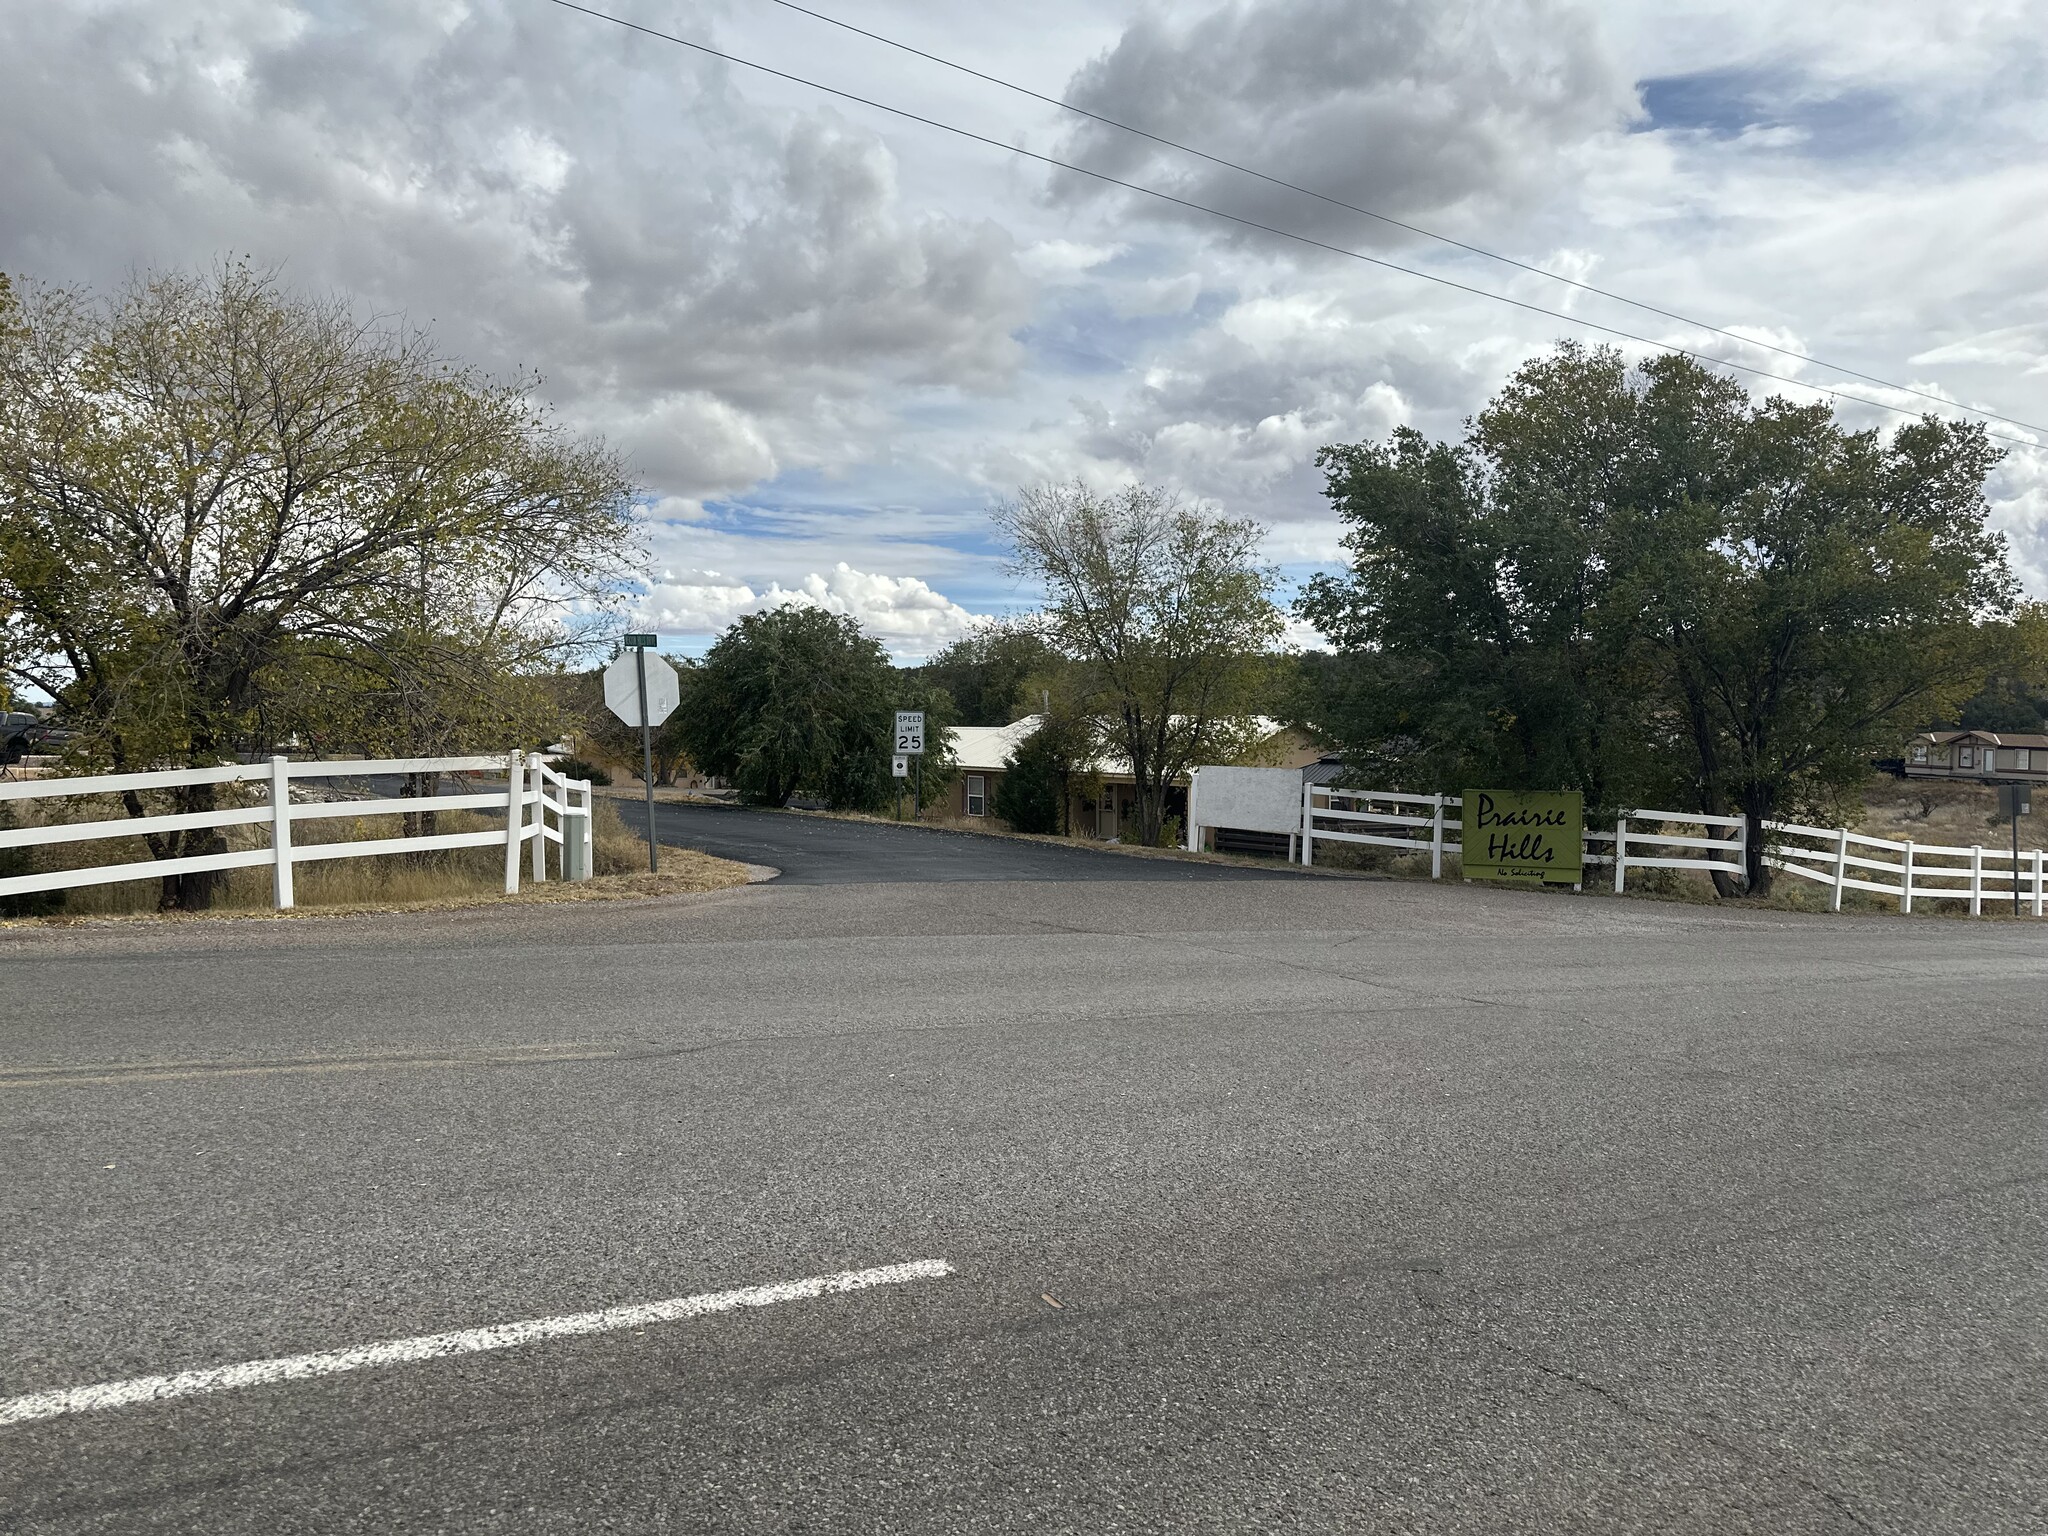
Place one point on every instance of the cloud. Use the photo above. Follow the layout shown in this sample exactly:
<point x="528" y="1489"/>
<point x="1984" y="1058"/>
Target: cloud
<point x="904" y="613"/>
<point x="823" y="338"/>
<point x="1407" y="107"/>
<point x="721" y="286"/>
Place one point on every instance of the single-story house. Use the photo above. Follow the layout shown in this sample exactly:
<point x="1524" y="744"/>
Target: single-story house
<point x="1983" y="757"/>
<point x="983" y="750"/>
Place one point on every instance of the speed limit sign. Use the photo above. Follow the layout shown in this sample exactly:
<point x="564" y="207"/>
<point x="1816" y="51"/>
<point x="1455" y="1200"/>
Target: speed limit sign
<point x="910" y="731"/>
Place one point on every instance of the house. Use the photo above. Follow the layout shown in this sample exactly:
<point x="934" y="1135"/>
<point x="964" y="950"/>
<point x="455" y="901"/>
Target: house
<point x="983" y="751"/>
<point x="1981" y="757"/>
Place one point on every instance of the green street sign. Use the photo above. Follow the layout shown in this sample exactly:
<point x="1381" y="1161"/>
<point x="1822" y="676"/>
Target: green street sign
<point x="640" y="642"/>
<point x="1536" y="837"/>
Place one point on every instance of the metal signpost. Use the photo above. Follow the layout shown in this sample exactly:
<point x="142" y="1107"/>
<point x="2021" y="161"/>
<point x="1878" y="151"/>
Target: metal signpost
<point x="2015" y="801"/>
<point x="1529" y="836"/>
<point x="910" y="743"/>
<point x="645" y="696"/>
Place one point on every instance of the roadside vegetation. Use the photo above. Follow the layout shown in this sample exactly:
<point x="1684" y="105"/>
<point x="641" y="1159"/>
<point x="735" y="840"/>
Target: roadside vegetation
<point x="235" y="520"/>
<point x="1637" y="583"/>
<point x="432" y="879"/>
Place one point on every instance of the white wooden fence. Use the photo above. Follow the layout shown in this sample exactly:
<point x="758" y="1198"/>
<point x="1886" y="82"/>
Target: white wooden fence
<point x="531" y="792"/>
<point x="1833" y="856"/>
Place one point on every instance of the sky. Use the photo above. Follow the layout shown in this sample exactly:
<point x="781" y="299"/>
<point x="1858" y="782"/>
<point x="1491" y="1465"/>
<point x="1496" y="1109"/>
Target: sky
<point x="828" y="340"/>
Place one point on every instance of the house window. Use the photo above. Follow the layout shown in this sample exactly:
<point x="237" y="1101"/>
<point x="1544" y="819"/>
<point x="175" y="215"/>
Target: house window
<point x="1919" y="754"/>
<point x="977" y="795"/>
<point x="2023" y="759"/>
<point x="1966" y="757"/>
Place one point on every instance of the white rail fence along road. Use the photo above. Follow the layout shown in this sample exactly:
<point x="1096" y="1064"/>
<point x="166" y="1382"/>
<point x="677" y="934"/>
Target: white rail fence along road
<point x="1833" y="856"/>
<point x="532" y="792"/>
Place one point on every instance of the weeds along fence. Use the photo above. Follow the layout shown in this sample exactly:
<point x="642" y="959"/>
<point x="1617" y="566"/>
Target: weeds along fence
<point x="1838" y="859"/>
<point x="1841" y="860"/>
<point x="529" y="793"/>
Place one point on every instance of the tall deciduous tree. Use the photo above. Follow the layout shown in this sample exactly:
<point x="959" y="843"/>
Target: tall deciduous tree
<point x="1640" y="584"/>
<point x="219" y="501"/>
<point x="1167" y="612"/>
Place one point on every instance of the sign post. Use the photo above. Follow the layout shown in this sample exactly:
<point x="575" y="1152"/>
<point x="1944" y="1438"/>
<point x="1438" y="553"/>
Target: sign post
<point x="644" y="696"/>
<point x="910" y="743"/>
<point x="1530" y="837"/>
<point x="2015" y="801"/>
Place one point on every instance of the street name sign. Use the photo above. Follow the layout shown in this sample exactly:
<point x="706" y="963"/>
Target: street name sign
<point x="622" y="688"/>
<point x="910" y="731"/>
<point x="1534" y="837"/>
<point x="639" y="642"/>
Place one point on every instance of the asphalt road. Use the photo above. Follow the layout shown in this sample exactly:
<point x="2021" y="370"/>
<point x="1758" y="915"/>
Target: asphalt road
<point x="1366" y="1206"/>
<point x="823" y="850"/>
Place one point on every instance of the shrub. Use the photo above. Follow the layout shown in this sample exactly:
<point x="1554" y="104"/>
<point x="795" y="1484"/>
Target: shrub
<point x="582" y="768"/>
<point x="1032" y="789"/>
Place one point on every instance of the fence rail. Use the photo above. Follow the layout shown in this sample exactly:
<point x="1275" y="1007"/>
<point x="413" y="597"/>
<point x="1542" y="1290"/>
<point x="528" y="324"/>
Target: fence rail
<point x="532" y="792"/>
<point x="1833" y="856"/>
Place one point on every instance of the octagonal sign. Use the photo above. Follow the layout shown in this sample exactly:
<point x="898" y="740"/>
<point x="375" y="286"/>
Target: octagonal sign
<point x="622" y="688"/>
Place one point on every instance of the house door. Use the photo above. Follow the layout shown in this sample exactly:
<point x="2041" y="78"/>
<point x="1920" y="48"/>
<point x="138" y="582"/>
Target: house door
<point x="1105" y="813"/>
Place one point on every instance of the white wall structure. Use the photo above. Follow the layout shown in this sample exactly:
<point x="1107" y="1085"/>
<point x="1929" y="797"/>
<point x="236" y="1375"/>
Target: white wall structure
<point x="1244" y="799"/>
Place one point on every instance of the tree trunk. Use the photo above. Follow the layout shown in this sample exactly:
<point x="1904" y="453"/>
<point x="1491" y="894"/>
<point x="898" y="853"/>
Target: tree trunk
<point x="193" y="890"/>
<point x="1756" y="812"/>
<point x="422" y="823"/>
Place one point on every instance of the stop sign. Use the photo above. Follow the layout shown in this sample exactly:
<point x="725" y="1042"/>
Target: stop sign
<point x="622" y="688"/>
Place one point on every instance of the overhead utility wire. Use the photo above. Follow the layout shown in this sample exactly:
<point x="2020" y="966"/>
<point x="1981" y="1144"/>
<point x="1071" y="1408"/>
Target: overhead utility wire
<point x="1270" y="229"/>
<point x="1389" y="219"/>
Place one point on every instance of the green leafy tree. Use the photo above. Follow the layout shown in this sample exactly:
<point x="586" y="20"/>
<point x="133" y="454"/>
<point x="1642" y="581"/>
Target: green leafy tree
<point x="1640" y="584"/>
<point x="215" y="494"/>
<point x="795" y="700"/>
<point x="988" y="672"/>
<point x="1166" y="615"/>
<point x="1033" y="793"/>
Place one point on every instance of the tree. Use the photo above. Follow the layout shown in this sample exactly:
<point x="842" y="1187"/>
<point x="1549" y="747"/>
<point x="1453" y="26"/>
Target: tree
<point x="1036" y="782"/>
<point x="988" y="671"/>
<point x="1638" y="583"/>
<point x="796" y="700"/>
<point x="220" y="502"/>
<point x="1165" y="611"/>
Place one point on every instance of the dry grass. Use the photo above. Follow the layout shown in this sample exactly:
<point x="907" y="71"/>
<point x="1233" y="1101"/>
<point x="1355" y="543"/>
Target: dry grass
<point x="436" y="879"/>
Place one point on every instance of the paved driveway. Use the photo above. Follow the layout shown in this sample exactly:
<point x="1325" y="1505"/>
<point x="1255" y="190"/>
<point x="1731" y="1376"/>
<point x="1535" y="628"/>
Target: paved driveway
<point x="821" y="850"/>
<point x="1197" y="1206"/>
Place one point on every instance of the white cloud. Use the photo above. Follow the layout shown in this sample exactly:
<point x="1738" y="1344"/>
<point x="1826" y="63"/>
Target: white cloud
<point x="904" y="613"/>
<point x="908" y="616"/>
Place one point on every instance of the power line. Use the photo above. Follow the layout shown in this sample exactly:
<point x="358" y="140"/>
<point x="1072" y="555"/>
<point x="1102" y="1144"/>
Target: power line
<point x="1389" y="219"/>
<point x="1271" y="229"/>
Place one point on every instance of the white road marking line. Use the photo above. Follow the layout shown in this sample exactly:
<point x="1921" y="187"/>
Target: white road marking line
<point x="436" y="1346"/>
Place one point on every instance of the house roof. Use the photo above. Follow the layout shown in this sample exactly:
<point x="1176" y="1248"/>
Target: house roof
<point x="1983" y="738"/>
<point x="987" y="748"/>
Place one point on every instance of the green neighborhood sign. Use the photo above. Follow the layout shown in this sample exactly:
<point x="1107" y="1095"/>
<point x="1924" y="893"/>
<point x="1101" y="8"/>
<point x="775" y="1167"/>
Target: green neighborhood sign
<point x="1535" y="836"/>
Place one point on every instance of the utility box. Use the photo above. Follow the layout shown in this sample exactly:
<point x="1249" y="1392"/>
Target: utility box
<point x="2015" y="800"/>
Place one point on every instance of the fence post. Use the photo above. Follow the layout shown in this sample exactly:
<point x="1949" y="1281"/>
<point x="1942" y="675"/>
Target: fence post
<point x="2037" y="881"/>
<point x="537" y="785"/>
<point x="281" y="832"/>
<point x="515" y="796"/>
<point x="1621" y="856"/>
<point x="1308" y="825"/>
<point x="576" y="832"/>
<point x="1906" y="890"/>
<point x="1841" y="866"/>
<point x="1436" y="838"/>
<point x="1976" y="879"/>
